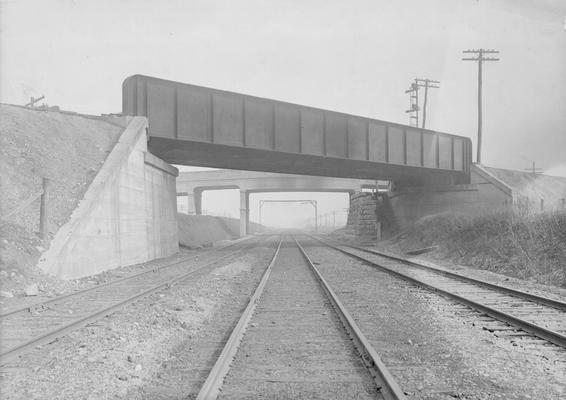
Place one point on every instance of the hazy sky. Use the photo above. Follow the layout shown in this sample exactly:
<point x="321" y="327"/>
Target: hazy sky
<point x="354" y="56"/>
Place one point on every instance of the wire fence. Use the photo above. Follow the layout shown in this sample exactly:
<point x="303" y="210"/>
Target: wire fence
<point x="42" y="195"/>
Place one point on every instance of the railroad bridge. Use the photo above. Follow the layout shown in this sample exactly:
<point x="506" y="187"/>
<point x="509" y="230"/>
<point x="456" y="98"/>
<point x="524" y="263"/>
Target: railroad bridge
<point x="128" y="214"/>
<point x="193" y="125"/>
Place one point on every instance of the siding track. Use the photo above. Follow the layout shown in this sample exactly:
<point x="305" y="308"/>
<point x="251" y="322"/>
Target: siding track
<point x="536" y="315"/>
<point x="24" y="329"/>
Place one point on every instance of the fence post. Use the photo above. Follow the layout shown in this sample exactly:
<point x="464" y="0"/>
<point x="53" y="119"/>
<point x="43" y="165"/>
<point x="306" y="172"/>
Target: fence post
<point x="563" y="203"/>
<point x="43" y="210"/>
<point x="542" y="204"/>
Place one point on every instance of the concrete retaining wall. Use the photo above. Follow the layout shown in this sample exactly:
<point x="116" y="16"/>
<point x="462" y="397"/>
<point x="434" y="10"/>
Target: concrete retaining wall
<point x="484" y="195"/>
<point x="532" y="193"/>
<point x="127" y="216"/>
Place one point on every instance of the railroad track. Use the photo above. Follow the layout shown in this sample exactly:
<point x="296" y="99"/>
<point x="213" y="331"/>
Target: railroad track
<point x="42" y="304"/>
<point x="296" y="339"/>
<point x="520" y="313"/>
<point x="25" y="328"/>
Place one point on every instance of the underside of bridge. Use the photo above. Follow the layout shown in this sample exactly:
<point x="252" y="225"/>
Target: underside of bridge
<point x="221" y="156"/>
<point x="191" y="185"/>
<point x="192" y="125"/>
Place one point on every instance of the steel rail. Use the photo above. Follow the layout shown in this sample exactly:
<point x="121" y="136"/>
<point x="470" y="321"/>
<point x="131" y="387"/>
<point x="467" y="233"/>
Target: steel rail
<point x="517" y="293"/>
<point x="213" y="384"/>
<point x="113" y="282"/>
<point x="20" y="349"/>
<point x="536" y="330"/>
<point x="386" y="384"/>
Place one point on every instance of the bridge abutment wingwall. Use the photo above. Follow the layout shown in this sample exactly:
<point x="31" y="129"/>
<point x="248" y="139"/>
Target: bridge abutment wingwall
<point x="127" y="216"/>
<point x="485" y="194"/>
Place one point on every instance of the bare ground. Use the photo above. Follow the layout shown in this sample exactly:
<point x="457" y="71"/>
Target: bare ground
<point x="68" y="149"/>
<point x="137" y="352"/>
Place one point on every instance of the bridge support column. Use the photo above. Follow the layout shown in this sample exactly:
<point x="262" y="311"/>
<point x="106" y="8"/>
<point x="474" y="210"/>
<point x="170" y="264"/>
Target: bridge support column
<point x="191" y="204"/>
<point x="196" y="199"/>
<point x="244" y="212"/>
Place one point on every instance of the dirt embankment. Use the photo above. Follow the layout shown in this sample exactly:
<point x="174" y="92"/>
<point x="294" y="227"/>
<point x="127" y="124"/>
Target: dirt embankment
<point x="68" y="149"/>
<point x="205" y="230"/>
<point x="202" y="230"/>
<point x="531" y="248"/>
<point x="65" y="148"/>
<point x="533" y="191"/>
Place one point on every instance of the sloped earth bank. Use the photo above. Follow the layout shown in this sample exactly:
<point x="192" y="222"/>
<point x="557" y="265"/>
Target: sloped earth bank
<point x="196" y="231"/>
<point x="68" y="149"/>
<point x="529" y="248"/>
<point x="160" y="347"/>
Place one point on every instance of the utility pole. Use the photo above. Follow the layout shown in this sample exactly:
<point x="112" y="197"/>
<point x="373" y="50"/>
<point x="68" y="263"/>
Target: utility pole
<point x="33" y="101"/>
<point x="533" y="169"/>
<point x="413" y="103"/>
<point x="426" y="83"/>
<point x="334" y="219"/>
<point x="479" y="56"/>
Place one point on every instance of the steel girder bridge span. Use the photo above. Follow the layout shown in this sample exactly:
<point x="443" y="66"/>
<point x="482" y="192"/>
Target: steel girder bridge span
<point x="193" y="125"/>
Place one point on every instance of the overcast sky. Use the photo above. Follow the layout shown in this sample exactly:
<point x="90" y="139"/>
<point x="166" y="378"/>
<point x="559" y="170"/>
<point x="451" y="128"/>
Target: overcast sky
<point x="355" y="56"/>
<point x="352" y="56"/>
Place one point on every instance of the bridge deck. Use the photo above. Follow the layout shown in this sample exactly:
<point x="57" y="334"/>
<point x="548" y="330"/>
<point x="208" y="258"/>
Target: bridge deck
<point x="193" y="125"/>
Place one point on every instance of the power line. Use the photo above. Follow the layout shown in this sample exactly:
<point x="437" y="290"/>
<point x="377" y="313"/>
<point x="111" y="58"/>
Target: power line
<point x="426" y="83"/>
<point x="480" y="58"/>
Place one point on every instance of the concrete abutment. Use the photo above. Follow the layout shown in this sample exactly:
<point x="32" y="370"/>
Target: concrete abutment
<point x="127" y="216"/>
<point x="483" y="196"/>
<point x="402" y="207"/>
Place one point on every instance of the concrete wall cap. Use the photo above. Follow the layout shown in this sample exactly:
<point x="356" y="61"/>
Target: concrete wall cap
<point x="478" y="168"/>
<point x="435" y="189"/>
<point x="158" y="163"/>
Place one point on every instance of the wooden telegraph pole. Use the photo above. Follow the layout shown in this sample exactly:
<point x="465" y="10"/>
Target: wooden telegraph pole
<point x="479" y="56"/>
<point x="426" y="83"/>
<point x="32" y="101"/>
<point x="413" y="103"/>
<point x="43" y="230"/>
<point x="533" y="169"/>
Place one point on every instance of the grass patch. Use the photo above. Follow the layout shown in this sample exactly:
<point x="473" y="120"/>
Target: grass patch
<point x="527" y="247"/>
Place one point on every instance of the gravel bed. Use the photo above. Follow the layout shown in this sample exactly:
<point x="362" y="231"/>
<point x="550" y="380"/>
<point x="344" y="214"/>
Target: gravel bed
<point x="49" y="288"/>
<point x="435" y="348"/>
<point x="295" y="346"/>
<point x="133" y="352"/>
